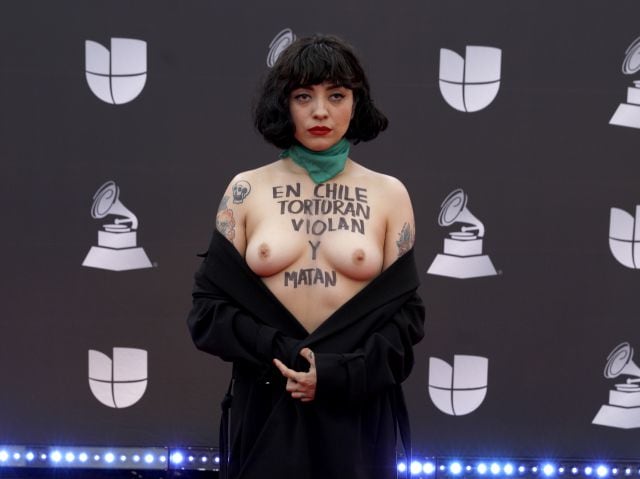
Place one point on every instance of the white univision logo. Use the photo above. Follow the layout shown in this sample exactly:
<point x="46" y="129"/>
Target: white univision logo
<point x="118" y="76"/>
<point x="279" y="44"/>
<point x="471" y="83"/>
<point x="623" y="410"/>
<point x="460" y="389"/>
<point x="120" y="382"/>
<point x="624" y="237"/>
<point x="462" y="257"/>
<point x="116" y="250"/>
<point x="628" y="114"/>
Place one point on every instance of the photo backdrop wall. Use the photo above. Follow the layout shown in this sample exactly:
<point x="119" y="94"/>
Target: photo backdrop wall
<point x="514" y="125"/>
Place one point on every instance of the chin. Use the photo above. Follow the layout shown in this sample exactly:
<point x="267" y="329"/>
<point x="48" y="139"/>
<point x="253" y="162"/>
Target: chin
<point x="318" y="144"/>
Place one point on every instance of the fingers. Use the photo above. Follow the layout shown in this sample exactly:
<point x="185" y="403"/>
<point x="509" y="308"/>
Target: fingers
<point x="309" y="356"/>
<point x="300" y="385"/>
<point x="285" y="371"/>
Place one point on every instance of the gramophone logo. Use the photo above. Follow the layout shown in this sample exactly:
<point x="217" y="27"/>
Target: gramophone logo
<point x="624" y="237"/>
<point x="120" y="382"/>
<point x="471" y="83"/>
<point x="460" y="389"/>
<point x="462" y="257"/>
<point x="623" y="410"/>
<point x="628" y="114"/>
<point x="118" y="76"/>
<point x="279" y="44"/>
<point x="116" y="250"/>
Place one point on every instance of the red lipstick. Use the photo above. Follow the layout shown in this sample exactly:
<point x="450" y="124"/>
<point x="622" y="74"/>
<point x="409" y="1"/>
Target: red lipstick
<point x="319" y="130"/>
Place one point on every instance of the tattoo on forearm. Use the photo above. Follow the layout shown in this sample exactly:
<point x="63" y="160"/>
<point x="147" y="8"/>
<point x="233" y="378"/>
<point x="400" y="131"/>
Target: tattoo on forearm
<point x="405" y="240"/>
<point x="225" y="223"/>
<point x="240" y="191"/>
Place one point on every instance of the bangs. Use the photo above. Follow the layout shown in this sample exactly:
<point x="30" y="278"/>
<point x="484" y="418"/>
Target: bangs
<point x="319" y="63"/>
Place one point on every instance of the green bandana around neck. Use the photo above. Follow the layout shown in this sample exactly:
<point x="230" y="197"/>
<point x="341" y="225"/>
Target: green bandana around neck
<point x="321" y="165"/>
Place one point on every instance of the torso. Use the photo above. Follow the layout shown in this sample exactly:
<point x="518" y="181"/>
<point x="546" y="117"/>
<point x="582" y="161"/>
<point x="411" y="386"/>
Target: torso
<point x="314" y="246"/>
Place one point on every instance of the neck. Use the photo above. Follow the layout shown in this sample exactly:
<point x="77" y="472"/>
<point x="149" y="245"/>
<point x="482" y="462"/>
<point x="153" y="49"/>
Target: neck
<point x="320" y="165"/>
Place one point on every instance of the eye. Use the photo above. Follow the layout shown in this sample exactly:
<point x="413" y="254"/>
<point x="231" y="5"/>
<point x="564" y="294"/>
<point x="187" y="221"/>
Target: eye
<point x="337" y="96"/>
<point x="301" y="97"/>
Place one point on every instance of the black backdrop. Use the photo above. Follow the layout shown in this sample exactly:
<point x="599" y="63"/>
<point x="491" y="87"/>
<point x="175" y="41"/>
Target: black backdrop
<point x="541" y="166"/>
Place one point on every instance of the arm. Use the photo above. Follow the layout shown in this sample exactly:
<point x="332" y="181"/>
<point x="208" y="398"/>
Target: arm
<point x="217" y="324"/>
<point x="221" y="327"/>
<point x="400" y="232"/>
<point x="232" y="211"/>
<point x="385" y="359"/>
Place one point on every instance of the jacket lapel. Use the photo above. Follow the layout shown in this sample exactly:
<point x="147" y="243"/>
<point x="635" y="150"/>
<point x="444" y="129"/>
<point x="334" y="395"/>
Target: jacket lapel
<point x="230" y="272"/>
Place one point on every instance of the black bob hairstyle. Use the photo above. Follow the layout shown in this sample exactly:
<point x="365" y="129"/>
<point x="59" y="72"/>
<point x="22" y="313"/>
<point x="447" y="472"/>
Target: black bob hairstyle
<point x="311" y="61"/>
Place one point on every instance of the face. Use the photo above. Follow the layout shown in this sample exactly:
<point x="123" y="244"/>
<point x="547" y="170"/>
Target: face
<point x="321" y="114"/>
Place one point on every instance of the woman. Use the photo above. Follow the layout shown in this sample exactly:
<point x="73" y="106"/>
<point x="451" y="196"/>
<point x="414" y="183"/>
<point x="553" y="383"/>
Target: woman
<point x="309" y="284"/>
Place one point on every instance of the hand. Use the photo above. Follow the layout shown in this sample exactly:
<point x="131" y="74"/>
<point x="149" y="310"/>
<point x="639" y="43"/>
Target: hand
<point x="301" y="385"/>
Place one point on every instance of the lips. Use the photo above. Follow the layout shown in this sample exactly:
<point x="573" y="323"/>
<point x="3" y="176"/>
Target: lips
<point x="319" y="130"/>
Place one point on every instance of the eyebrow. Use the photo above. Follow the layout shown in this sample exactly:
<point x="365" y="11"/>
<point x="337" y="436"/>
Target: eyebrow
<point x="330" y="86"/>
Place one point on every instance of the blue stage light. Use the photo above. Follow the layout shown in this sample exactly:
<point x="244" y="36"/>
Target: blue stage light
<point x="495" y="468"/>
<point x="602" y="471"/>
<point x="177" y="458"/>
<point x="69" y="457"/>
<point x="56" y="456"/>
<point x="561" y="470"/>
<point x="136" y="458"/>
<point x="4" y="456"/>
<point x="614" y="471"/>
<point x="482" y="468"/>
<point x="455" y="468"/>
<point x="627" y="471"/>
<point x="508" y="469"/>
<point x="30" y="456"/>
<point x="109" y="457"/>
<point x="521" y="469"/>
<point x="588" y="470"/>
<point x="402" y="467"/>
<point x="428" y="468"/>
<point x="548" y="469"/>
<point x="83" y="457"/>
<point x="415" y="468"/>
<point x="574" y="470"/>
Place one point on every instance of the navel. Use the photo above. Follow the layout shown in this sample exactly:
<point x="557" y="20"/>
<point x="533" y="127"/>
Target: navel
<point x="358" y="256"/>
<point x="263" y="251"/>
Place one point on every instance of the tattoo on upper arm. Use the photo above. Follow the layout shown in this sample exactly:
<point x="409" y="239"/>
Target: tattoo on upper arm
<point x="225" y="223"/>
<point x="240" y="191"/>
<point x="405" y="240"/>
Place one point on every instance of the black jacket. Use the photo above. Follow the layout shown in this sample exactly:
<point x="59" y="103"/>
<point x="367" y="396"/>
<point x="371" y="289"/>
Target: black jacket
<point x="363" y="352"/>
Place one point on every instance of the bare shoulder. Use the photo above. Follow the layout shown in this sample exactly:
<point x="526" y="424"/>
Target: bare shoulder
<point x="237" y="201"/>
<point x="392" y="199"/>
<point x="386" y="185"/>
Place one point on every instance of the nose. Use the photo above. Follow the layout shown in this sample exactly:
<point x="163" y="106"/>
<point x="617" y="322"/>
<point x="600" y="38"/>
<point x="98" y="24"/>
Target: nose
<point x="320" y="111"/>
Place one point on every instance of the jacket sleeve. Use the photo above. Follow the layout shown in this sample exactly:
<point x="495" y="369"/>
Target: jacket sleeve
<point x="220" y="326"/>
<point x="385" y="359"/>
